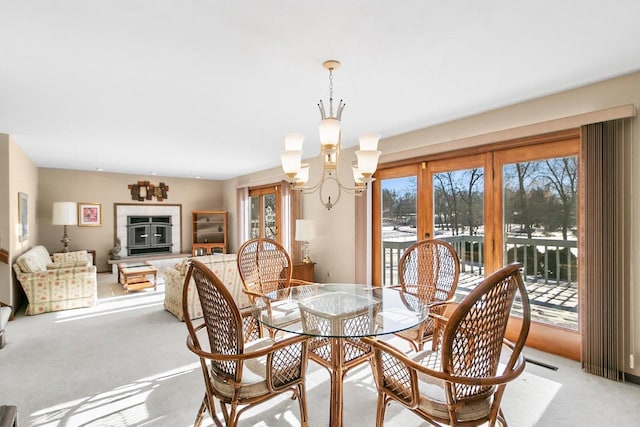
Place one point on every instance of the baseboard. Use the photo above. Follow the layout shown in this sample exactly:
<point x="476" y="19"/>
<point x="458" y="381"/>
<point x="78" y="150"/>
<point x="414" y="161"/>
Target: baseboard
<point x="631" y="378"/>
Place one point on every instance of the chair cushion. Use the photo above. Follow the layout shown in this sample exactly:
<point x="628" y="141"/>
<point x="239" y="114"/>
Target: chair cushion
<point x="71" y="264"/>
<point x="284" y="312"/>
<point x="74" y="256"/>
<point x="34" y="260"/>
<point x="433" y="399"/>
<point x="254" y="374"/>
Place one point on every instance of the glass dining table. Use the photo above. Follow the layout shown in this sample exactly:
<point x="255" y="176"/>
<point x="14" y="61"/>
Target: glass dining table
<point x="336" y="316"/>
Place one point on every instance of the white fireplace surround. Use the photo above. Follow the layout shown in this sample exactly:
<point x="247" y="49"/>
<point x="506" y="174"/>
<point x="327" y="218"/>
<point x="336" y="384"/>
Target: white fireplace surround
<point x="124" y="211"/>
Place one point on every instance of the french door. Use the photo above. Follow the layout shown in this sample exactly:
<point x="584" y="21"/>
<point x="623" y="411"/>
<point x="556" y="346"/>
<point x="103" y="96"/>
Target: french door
<point x="509" y="203"/>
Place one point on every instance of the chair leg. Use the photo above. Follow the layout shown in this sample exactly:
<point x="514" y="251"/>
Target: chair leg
<point x="225" y="412"/>
<point x="502" y="420"/>
<point x="382" y="407"/>
<point x="204" y="406"/>
<point x="232" y="421"/>
<point x="201" y="412"/>
<point x="302" y="402"/>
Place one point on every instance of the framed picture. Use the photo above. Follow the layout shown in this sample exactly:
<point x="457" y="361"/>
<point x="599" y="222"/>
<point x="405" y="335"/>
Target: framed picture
<point x="23" y="215"/>
<point x="89" y="214"/>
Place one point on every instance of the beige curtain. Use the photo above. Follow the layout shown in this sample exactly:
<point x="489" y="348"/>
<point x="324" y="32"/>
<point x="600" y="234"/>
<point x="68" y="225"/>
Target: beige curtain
<point x="362" y="224"/>
<point x="605" y="175"/>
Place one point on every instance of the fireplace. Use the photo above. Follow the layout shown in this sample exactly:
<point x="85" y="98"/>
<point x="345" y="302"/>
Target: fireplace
<point x="148" y="235"/>
<point x="161" y="219"/>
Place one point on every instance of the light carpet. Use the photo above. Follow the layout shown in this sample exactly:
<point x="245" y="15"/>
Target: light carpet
<point x="125" y="363"/>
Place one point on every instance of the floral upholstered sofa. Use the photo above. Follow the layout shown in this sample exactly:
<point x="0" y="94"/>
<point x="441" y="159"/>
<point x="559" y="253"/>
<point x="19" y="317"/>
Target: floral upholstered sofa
<point x="223" y="265"/>
<point x="66" y="280"/>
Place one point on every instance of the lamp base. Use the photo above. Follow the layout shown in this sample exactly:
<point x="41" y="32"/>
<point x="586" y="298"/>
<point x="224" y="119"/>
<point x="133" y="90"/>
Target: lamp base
<point x="305" y="253"/>
<point x="65" y="240"/>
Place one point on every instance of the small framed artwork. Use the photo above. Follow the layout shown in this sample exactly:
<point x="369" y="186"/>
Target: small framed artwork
<point x="23" y="216"/>
<point x="89" y="214"/>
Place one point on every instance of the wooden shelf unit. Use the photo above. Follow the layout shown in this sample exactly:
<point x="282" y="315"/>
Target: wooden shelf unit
<point x="209" y="232"/>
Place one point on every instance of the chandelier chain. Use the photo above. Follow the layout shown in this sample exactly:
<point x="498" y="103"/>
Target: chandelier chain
<point x="331" y="92"/>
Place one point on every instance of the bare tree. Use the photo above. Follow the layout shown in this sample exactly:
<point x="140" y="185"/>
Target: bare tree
<point x="444" y="182"/>
<point x="475" y="176"/>
<point x="563" y="178"/>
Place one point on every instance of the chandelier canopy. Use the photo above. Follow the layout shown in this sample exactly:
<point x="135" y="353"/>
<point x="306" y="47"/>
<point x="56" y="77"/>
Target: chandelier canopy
<point x="330" y="138"/>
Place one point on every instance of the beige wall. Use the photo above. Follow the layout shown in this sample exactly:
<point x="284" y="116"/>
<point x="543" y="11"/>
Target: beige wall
<point x="57" y="185"/>
<point x="334" y="250"/>
<point x="334" y="245"/>
<point x="5" y="269"/>
<point x="19" y="175"/>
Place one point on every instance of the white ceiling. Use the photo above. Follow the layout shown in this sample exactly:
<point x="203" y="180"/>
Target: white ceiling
<point x="210" y="88"/>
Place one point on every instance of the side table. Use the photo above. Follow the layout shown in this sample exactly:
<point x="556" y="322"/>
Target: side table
<point x="93" y="255"/>
<point x="304" y="271"/>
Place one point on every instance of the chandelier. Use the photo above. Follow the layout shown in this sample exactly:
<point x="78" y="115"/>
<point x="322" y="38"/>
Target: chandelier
<point x="330" y="137"/>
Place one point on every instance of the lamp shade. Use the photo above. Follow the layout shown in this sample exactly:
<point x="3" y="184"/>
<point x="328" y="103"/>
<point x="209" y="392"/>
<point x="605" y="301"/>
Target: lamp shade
<point x="293" y="142"/>
<point x="369" y="142"/>
<point x="64" y="213"/>
<point x="291" y="161"/>
<point x="305" y="230"/>
<point x="367" y="162"/>
<point x="303" y="174"/>
<point x="329" y="132"/>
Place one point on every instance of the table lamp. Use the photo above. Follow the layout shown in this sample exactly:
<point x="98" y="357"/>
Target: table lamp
<point x="305" y="231"/>
<point x="65" y="213"/>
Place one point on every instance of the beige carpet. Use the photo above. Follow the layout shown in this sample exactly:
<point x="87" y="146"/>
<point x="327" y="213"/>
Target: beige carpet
<point x="125" y="363"/>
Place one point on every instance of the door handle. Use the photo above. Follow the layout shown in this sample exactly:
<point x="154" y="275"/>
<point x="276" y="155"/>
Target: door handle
<point x="144" y="235"/>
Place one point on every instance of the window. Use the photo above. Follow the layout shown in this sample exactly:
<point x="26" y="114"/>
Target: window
<point x="265" y="212"/>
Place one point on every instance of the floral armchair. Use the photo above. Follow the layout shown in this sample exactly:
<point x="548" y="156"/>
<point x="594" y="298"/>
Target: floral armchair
<point x="64" y="281"/>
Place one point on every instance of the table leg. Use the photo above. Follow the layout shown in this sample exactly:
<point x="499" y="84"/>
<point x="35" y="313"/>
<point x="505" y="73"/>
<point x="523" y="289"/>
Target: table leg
<point x="337" y="378"/>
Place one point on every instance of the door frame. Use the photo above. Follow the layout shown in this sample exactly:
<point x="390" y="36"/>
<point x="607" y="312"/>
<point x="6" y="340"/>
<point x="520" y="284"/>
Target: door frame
<point x="548" y="338"/>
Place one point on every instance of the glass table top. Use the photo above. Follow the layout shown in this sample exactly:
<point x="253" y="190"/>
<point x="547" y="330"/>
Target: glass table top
<point x="340" y="310"/>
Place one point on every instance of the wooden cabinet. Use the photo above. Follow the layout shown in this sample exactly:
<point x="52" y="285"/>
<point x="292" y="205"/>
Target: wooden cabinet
<point x="209" y="232"/>
<point x="304" y="271"/>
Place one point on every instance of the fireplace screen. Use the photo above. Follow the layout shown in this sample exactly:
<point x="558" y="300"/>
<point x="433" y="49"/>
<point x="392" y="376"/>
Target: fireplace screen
<point x="148" y="234"/>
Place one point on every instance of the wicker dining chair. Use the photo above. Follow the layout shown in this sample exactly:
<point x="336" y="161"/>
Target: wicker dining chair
<point x="461" y="383"/>
<point x="240" y="375"/>
<point x="265" y="266"/>
<point x="430" y="269"/>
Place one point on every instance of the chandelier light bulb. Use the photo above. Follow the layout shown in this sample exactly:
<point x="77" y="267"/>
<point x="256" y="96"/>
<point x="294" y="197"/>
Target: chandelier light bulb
<point x="358" y="178"/>
<point x="302" y="176"/>
<point x="369" y="142"/>
<point x="291" y="162"/>
<point x="367" y="162"/>
<point x="329" y="132"/>
<point x="293" y="142"/>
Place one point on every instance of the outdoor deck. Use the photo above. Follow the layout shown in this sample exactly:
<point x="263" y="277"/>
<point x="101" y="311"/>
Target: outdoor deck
<point x="549" y="270"/>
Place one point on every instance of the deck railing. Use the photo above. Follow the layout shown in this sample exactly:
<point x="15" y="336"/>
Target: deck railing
<point x="547" y="260"/>
<point x="549" y="271"/>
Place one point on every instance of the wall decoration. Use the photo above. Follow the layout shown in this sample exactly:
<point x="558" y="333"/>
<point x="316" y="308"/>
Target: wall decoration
<point x="144" y="190"/>
<point x="89" y="214"/>
<point x="23" y="215"/>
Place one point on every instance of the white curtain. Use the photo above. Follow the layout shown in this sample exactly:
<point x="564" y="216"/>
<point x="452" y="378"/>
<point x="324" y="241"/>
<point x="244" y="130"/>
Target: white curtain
<point x="244" y="215"/>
